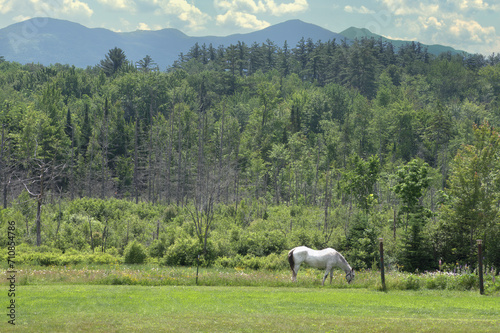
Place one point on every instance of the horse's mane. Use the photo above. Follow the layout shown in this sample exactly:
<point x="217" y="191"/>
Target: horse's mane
<point x="343" y="259"/>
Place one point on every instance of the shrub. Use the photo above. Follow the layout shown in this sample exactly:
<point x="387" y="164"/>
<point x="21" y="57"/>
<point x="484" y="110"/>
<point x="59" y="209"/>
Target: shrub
<point x="47" y="258"/>
<point x="135" y="253"/>
<point x="467" y="281"/>
<point x="437" y="281"/>
<point x="102" y="258"/>
<point x="183" y="252"/>
<point x="275" y="261"/>
<point x="157" y="249"/>
<point x="271" y="262"/>
<point x="412" y="282"/>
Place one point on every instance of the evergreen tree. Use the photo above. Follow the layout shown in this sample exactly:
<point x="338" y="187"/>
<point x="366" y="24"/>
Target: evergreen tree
<point x="114" y="60"/>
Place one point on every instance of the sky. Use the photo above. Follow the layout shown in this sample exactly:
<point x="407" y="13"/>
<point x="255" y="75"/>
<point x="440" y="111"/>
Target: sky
<point x="469" y="25"/>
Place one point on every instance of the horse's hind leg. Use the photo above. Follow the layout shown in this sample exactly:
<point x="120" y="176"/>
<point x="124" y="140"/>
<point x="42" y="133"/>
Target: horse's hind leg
<point x="294" y="272"/>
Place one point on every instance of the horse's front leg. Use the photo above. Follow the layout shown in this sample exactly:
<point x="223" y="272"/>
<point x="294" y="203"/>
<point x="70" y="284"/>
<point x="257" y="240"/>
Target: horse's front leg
<point x="324" y="277"/>
<point x="331" y="275"/>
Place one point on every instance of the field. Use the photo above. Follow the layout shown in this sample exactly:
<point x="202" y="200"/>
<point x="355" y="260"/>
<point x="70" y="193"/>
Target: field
<point x="91" y="308"/>
<point x="86" y="300"/>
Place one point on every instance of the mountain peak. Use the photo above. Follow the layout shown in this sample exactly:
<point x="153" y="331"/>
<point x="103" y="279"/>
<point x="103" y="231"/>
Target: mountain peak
<point x="353" y="33"/>
<point x="359" y="33"/>
<point x="48" y="41"/>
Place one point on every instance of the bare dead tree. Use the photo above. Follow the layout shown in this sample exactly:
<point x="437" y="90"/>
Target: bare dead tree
<point x="136" y="159"/>
<point x="104" y="147"/>
<point x="205" y="201"/>
<point x="169" y="157"/>
<point x="46" y="174"/>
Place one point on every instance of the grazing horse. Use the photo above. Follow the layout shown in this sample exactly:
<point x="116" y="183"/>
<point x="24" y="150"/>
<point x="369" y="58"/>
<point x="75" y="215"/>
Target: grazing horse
<point x="326" y="259"/>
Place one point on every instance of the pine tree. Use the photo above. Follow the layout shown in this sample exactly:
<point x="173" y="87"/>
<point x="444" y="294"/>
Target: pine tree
<point x="113" y="61"/>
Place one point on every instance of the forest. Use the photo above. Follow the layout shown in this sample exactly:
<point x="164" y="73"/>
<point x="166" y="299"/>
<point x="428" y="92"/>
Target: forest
<point x="240" y="153"/>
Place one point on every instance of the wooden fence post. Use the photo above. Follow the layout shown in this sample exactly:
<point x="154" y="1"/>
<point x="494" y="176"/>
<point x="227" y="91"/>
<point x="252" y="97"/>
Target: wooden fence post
<point x="382" y="272"/>
<point x="480" y="262"/>
<point x="197" y="268"/>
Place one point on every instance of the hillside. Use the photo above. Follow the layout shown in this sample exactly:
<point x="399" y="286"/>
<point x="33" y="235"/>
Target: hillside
<point x="360" y="33"/>
<point x="49" y="41"/>
<point x="253" y="150"/>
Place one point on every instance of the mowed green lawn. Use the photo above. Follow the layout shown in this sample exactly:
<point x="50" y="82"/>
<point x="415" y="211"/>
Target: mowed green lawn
<point x="97" y="308"/>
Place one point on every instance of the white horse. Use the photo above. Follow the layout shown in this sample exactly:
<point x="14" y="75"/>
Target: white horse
<point x="325" y="259"/>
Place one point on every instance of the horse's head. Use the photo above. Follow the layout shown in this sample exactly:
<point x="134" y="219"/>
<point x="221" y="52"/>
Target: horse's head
<point x="350" y="276"/>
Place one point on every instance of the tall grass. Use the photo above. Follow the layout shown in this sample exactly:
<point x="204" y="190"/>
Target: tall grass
<point x="154" y="275"/>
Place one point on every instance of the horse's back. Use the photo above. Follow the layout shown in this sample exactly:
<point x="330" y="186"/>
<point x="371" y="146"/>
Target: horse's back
<point x="314" y="258"/>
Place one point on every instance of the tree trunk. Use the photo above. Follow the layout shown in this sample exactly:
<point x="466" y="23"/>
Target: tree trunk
<point x="3" y="181"/>
<point x="169" y="156"/>
<point x="39" y="210"/>
<point x="179" y="163"/>
<point x="91" y="236"/>
<point x="136" y="160"/>
<point x="39" y="222"/>
<point x="327" y="201"/>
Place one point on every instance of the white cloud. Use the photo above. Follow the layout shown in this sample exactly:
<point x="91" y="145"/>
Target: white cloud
<point x="21" y="18"/>
<point x="128" y="5"/>
<point x="428" y="22"/>
<point x="451" y="22"/>
<point x="262" y="6"/>
<point x="287" y="8"/>
<point x="242" y="13"/>
<point x="472" y="4"/>
<point x="76" y="7"/>
<point x="6" y="6"/>
<point x="471" y="31"/>
<point x="407" y="7"/>
<point x="184" y="11"/>
<point x="358" y="10"/>
<point x="143" y="26"/>
<point x="243" y="20"/>
<point x="241" y="5"/>
<point x="58" y="9"/>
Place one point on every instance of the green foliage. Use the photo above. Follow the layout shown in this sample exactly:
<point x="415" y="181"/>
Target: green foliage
<point x="416" y="250"/>
<point x="472" y="210"/>
<point x="271" y="262"/>
<point x="412" y="181"/>
<point x="184" y="252"/>
<point x="134" y="253"/>
<point x="313" y="144"/>
<point x="114" y="60"/>
<point x="157" y="249"/>
<point x="361" y="244"/>
<point x="361" y="180"/>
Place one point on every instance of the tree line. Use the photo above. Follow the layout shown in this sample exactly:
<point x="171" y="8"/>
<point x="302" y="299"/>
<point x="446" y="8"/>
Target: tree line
<point x="376" y="141"/>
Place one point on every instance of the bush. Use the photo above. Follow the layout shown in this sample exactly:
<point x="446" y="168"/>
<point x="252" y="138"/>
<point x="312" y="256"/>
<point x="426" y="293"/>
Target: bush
<point x="437" y="281"/>
<point x="271" y="262"/>
<point x="102" y="258"/>
<point x="135" y="253"/>
<point x="184" y="252"/>
<point x="260" y="243"/>
<point x="157" y="249"/>
<point x="468" y="281"/>
<point x="412" y="282"/>
<point x="47" y="259"/>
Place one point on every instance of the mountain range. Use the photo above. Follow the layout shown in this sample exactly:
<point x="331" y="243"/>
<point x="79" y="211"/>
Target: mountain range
<point x="50" y="41"/>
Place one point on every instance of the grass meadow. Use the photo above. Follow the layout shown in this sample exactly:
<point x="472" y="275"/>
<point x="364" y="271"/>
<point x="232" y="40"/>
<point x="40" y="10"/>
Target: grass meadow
<point x="148" y="298"/>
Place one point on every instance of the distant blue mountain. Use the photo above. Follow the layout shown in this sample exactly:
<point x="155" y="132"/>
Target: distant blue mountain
<point x="50" y="41"/>
<point x="357" y="33"/>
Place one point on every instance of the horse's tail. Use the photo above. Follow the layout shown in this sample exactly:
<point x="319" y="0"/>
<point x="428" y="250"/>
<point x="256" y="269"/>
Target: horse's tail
<point x="290" y="259"/>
